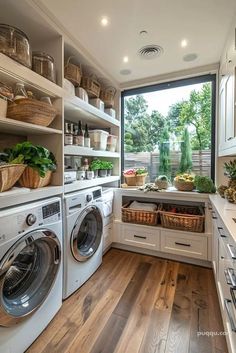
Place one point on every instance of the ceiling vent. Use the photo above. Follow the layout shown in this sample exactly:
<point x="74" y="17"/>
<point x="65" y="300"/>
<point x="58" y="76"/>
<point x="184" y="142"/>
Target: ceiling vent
<point x="150" y="52"/>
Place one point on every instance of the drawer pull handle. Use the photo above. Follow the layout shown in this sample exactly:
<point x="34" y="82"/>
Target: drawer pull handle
<point x="230" y="315"/>
<point x="214" y="215"/>
<point x="232" y="251"/>
<point x="230" y="138"/>
<point x="230" y="277"/>
<point x="139" y="236"/>
<point x="182" y="244"/>
<point x="221" y="234"/>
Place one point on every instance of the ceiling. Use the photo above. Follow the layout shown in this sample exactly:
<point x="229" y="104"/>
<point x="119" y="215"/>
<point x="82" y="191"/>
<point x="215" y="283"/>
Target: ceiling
<point x="204" y="23"/>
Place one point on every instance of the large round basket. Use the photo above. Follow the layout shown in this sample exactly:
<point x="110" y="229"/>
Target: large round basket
<point x="162" y="184"/>
<point x="184" y="185"/>
<point x="31" y="179"/>
<point x="9" y="174"/>
<point x="32" y="111"/>
<point x="135" y="180"/>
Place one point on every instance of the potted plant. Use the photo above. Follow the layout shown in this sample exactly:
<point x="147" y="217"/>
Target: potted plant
<point x="102" y="172"/>
<point x="95" y="166"/>
<point x="162" y="182"/>
<point x="229" y="192"/>
<point x="39" y="160"/>
<point x="109" y="168"/>
<point x="136" y="176"/>
<point x="204" y="184"/>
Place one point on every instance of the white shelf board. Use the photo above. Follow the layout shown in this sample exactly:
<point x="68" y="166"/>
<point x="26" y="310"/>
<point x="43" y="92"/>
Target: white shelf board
<point x="11" y="71"/>
<point x="76" y="109"/>
<point x="83" y="151"/>
<point x="21" y="128"/>
<point x="84" y="184"/>
<point x="14" y="198"/>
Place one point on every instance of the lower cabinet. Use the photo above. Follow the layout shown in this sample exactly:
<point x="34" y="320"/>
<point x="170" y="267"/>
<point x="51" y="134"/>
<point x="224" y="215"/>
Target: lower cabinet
<point x="107" y="236"/>
<point x="194" y="246"/>
<point x="143" y="237"/>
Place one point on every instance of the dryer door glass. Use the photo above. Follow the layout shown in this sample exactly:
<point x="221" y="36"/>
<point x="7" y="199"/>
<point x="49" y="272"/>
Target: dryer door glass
<point x="27" y="273"/>
<point x="87" y="234"/>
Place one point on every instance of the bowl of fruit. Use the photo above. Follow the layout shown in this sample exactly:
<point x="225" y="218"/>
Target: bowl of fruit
<point x="184" y="182"/>
<point x="135" y="177"/>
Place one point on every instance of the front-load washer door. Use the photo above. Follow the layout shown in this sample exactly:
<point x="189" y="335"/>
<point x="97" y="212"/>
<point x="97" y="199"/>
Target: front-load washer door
<point x="27" y="273"/>
<point x="87" y="233"/>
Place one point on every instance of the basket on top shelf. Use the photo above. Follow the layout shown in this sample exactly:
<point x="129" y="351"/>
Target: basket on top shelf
<point x="31" y="178"/>
<point x="181" y="217"/>
<point x="145" y="217"/>
<point x="91" y="85"/>
<point x="73" y="72"/>
<point x="32" y="111"/>
<point x="107" y="95"/>
<point x="9" y="175"/>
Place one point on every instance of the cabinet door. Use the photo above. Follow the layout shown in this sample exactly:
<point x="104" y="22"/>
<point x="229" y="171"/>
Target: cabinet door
<point x="221" y="127"/>
<point x="229" y="110"/>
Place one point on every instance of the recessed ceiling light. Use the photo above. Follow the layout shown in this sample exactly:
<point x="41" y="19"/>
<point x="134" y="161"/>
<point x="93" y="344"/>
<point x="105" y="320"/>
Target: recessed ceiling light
<point x="125" y="59"/>
<point x="143" y="33"/>
<point x="104" y="21"/>
<point x="184" y="43"/>
<point x="125" y="72"/>
<point x="190" y="57"/>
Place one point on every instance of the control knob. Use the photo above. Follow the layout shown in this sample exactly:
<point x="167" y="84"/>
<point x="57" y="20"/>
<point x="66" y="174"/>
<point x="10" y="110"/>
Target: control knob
<point x="31" y="219"/>
<point x="89" y="198"/>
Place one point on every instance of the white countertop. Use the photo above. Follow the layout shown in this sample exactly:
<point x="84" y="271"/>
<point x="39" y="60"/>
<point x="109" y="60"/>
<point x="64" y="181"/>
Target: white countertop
<point x="227" y="212"/>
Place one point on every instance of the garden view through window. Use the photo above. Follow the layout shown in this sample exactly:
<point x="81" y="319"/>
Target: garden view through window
<point x="169" y="131"/>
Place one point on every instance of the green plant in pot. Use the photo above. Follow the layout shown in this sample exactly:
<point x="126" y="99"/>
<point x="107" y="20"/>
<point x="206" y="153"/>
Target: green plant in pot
<point x="204" y="184"/>
<point x="229" y="192"/>
<point x="40" y="163"/>
<point x="162" y="182"/>
<point x="95" y="166"/>
<point x="102" y="172"/>
<point x="109" y="168"/>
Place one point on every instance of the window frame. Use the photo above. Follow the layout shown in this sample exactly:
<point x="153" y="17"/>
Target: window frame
<point x="174" y="84"/>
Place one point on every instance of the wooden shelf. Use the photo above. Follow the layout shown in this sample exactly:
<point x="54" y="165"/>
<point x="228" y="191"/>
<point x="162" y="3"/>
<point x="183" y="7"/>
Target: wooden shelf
<point x="76" y="109"/>
<point x="23" y="195"/>
<point x="11" y="72"/>
<point x="82" y="151"/>
<point x="84" y="184"/>
<point x="16" y="127"/>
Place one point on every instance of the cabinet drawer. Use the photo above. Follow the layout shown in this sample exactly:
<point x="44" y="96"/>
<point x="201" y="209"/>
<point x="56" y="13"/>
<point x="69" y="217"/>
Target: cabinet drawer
<point x="142" y="237"/>
<point x="189" y="245"/>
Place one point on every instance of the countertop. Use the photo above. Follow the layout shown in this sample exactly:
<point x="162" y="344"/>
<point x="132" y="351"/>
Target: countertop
<point x="227" y="212"/>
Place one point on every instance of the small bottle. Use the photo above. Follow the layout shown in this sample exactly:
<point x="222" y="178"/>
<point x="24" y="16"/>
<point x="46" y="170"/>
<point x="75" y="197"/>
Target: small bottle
<point x="86" y="137"/>
<point x="86" y="164"/>
<point x="68" y="137"/>
<point x="20" y="92"/>
<point x="80" y="136"/>
<point x="75" y="130"/>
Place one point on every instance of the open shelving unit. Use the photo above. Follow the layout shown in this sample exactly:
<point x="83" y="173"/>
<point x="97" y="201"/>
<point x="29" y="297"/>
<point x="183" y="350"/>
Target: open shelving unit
<point x="29" y="16"/>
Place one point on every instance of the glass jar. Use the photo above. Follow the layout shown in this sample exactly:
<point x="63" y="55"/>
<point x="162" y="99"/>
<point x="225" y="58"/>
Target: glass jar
<point x="43" y="64"/>
<point x="14" y="43"/>
<point x="20" y="92"/>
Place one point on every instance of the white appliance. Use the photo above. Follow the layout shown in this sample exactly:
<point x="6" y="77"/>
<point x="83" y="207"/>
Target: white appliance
<point x="30" y="272"/>
<point x="82" y="238"/>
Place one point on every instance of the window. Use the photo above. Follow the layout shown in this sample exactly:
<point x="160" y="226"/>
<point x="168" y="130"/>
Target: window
<point x="169" y="128"/>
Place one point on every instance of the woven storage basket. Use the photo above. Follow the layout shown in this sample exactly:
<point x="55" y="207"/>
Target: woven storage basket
<point x="162" y="184"/>
<point x="130" y="215"/>
<point x="9" y="174"/>
<point x="107" y="95"/>
<point x="137" y="180"/>
<point x="31" y="179"/>
<point x="187" y="218"/>
<point x="184" y="186"/>
<point x="73" y="72"/>
<point x="91" y="85"/>
<point x="32" y="111"/>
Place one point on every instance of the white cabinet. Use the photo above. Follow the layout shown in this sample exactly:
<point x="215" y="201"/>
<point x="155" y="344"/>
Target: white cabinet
<point x="140" y="236"/>
<point x="107" y="236"/>
<point x="194" y="246"/>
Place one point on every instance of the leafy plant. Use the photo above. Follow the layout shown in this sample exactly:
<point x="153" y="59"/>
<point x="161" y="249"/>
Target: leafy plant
<point x="204" y="184"/>
<point x="35" y="156"/>
<point x="230" y="169"/>
<point x="140" y="171"/>
<point x="105" y="165"/>
<point x="95" y="164"/>
<point x="162" y="178"/>
<point x="165" y="166"/>
<point x="186" y="153"/>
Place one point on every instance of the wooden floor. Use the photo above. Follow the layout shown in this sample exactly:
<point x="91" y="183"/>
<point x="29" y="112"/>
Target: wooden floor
<point x="138" y="304"/>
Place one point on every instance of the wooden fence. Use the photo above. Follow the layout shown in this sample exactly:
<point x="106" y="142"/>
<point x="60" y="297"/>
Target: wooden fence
<point x="150" y="160"/>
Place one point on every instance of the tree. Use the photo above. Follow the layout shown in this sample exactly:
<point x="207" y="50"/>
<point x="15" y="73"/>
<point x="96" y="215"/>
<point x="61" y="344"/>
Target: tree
<point x="174" y="122"/>
<point x="186" y="153"/>
<point x="164" y="166"/>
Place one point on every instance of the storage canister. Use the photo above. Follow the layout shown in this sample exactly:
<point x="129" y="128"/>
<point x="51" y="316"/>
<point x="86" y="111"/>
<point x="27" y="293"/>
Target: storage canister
<point x="98" y="139"/>
<point x="112" y="143"/>
<point x="15" y="43"/>
<point x="43" y="64"/>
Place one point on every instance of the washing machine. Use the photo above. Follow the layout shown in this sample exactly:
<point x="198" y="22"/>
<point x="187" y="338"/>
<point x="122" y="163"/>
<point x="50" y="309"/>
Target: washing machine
<point x="30" y="272"/>
<point x="82" y="238"/>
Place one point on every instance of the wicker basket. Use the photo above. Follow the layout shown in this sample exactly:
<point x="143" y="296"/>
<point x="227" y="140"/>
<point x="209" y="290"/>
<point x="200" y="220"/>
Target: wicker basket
<point x="9" y="174"/>
<point x="31" y="179"/>
<point x="107" y="95"/>
<point x="130" y="215"/>
<point x="135" y="180"/>
<point x="91" y="85"/>
<point x="32" y="111"/>
<point x="73" y="72"/>
<point x="187" y="218"/>
<point x="184" y="186"/>
<point x="162" y="184"/>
